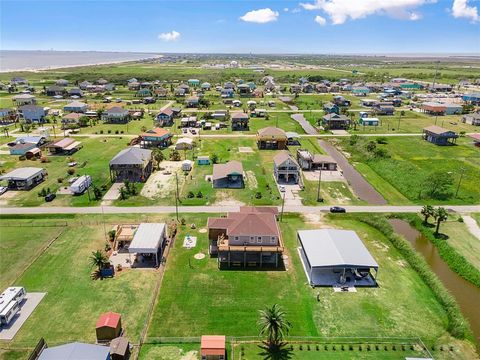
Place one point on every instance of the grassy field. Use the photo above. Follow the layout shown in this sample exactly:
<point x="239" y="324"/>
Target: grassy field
<point x="96" y="154"/>
<point x="419" y="159"/>
<point x="19" y="246"/>
<point x="460" y="238"/>
<point x="202" y="299"/>
<point x="196" y="298"/>
<point x="74" y="301"/>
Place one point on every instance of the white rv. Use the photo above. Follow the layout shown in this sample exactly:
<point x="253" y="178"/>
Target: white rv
<point x="10" y="301"/>
<point x="81" y="184"/>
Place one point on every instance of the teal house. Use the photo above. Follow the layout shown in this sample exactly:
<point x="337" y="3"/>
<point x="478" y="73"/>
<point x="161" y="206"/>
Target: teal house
<point x="193" y="82"/>
<point x="369" y="121"/>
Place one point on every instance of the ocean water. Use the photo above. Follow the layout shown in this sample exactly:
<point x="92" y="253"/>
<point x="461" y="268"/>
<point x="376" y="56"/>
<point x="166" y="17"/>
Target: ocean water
<point x="17" y="60"/>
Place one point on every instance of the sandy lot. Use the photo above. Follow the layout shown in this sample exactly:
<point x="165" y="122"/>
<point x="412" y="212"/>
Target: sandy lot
<point x="251" y="180"/>
<point x="245" y="149"/>
<point x="224" y="199"/>
<point x="326" y="176"/>
<point x="161" y="183"/>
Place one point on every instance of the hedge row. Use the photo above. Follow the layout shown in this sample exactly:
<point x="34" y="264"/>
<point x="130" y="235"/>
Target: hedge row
<point x="454" y="259"/>
<point x="457" y="325"/>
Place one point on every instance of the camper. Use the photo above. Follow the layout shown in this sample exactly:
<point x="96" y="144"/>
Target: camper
<point x="10" y="301"/>
<point x="81" y="184"/>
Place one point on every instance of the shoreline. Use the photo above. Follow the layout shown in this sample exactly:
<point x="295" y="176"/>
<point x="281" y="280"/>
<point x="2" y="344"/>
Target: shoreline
<point x="55" y="67"/>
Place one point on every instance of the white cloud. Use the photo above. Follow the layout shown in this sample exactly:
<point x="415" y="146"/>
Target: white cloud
<point x="320" y="20"/>
<point x="286" y="9"/>
<point x="460" y="9"/>
<point x="296" y="10"/>
<point x="169" y="36"/>
<point x="339" y="11"/>
<point x="260" y="16"/>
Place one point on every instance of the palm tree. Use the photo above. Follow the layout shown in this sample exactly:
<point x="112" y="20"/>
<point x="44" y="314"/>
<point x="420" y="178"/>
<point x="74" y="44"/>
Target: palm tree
<point x="440" y="214"/>
<point x="427" y="211"/>
<point x="274" y="325"/>
<point x="98" y="259"/>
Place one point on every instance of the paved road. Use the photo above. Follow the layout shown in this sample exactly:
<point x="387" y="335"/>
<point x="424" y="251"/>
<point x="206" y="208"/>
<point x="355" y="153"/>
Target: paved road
<point x="42" y="210"/>
<point x="472" y="226"/>
<point x="307" y="127"/>
<point x="360" y="186"/>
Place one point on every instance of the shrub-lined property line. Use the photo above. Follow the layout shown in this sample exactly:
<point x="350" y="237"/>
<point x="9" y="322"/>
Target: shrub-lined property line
<point x="455" y="261"/>
<point x="457" y="325"/>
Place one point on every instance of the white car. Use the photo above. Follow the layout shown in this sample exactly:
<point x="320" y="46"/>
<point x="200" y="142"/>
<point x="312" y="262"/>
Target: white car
<point x="281" y="188"/>
<point x="3" y="190"/>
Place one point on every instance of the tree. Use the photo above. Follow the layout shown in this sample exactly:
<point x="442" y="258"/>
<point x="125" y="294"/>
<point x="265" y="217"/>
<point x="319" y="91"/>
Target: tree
<point x="97" y="193"/>
<point x="427" y="212"/>
<point x="98" y="259"/>
<point x="214" y="158"/>
<point x="175" y="155"/>
<point x="440" y="214"/>
<point x="273" y="324"/>
<point x="438" y="184"/>
<point x="158" y="156"/>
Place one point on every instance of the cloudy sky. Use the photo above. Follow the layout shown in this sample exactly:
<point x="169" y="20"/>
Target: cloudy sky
<point x="242" y="26"/>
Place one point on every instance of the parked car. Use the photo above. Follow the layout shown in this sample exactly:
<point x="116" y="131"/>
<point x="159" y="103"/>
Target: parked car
<point x="72" y="164"/>
<point x="281" y="188"/>
<point x="193" y="131"/>
<point x="337" y="209"/>
<point x="50" y="197"/>
<point x="3" y="190"/>
<point x="185" y="130"/>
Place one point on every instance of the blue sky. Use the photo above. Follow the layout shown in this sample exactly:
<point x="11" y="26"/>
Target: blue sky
<point x="316" y="26"/>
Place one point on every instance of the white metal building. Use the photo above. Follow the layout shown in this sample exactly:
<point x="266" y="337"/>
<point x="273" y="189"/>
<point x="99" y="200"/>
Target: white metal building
<point x="149" y="239"/>
<point x="336" y="257"/>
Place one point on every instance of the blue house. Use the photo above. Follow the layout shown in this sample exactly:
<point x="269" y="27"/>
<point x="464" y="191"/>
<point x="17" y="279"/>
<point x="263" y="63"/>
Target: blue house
<point x="193" y="82"/>
<point x="33" y="113"/>
<point x="474" y="99"/>
<point x="203" y="160"/>
<point x="165" y="117"/>
<point x="227" y="93"/>
<point x="331" y="108"/>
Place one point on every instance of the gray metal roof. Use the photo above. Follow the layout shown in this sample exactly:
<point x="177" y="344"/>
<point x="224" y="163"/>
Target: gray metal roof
<point x="335" y="248"/>
<point x="147" y="238"/>
<point x="132" y="156"/>
<point x="22" y="173"/>
<point x="76" y="351"/>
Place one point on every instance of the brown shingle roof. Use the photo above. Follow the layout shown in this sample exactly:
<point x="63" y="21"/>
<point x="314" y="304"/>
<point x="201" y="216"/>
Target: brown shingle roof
<point x="434" y="129"/>
<point x="221" y="171"/>
<point x="272" y="131"/>
<point x="283" y="156"/>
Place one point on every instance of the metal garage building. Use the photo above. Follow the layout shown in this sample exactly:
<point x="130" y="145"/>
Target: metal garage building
<point x="336" y="258"/>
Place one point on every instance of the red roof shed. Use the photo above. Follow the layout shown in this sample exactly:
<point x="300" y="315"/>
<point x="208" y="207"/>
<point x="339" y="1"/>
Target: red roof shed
<point x="213" y="347"/>
<point x="109" y="326"/>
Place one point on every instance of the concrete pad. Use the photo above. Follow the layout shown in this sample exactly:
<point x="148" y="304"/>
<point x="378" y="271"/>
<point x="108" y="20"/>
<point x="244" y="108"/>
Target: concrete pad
<point x="245" y="149"/>
<point x="113" y="193"/>
<point x="189" y="242"/>
<point x="326" y="175"/>
<point x="27" y="306"/>
<point x="339" y="132"/>
<point x="120" y="258"/>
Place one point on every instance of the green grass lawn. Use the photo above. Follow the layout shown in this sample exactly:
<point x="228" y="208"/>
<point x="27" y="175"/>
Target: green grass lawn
<point x="202" y="299"/>
<point x="460" y="238"/>
<point x="74" y="301"/>
<point x="401" y="178"/>
<point x="170" y="351"/>
<point x="96" y="154"/>
<point x="19" y="246"/>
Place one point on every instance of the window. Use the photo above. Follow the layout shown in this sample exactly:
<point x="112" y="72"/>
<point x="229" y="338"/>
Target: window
<point x="273" y="240"/>
<point x="236" y="238"/>
<point x="259" y="239"/>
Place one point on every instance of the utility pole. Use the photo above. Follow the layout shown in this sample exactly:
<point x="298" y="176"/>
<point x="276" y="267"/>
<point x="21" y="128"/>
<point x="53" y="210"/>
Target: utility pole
<point x="283" y="204"/>
<point x="319" y="198"/>
<point x="176" y="195"/>
<point x="435" y="77"/>
<point x="462" y="172"/>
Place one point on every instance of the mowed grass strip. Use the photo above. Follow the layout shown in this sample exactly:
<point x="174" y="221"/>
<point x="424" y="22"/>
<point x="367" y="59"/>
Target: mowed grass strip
<point x="74" y="301"/>
<point x="19" y="245"/>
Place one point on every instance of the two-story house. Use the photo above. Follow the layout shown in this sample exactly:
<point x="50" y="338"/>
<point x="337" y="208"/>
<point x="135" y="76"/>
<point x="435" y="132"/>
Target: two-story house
<point x="250" y="237"/>
<point x="285" y="168"/>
